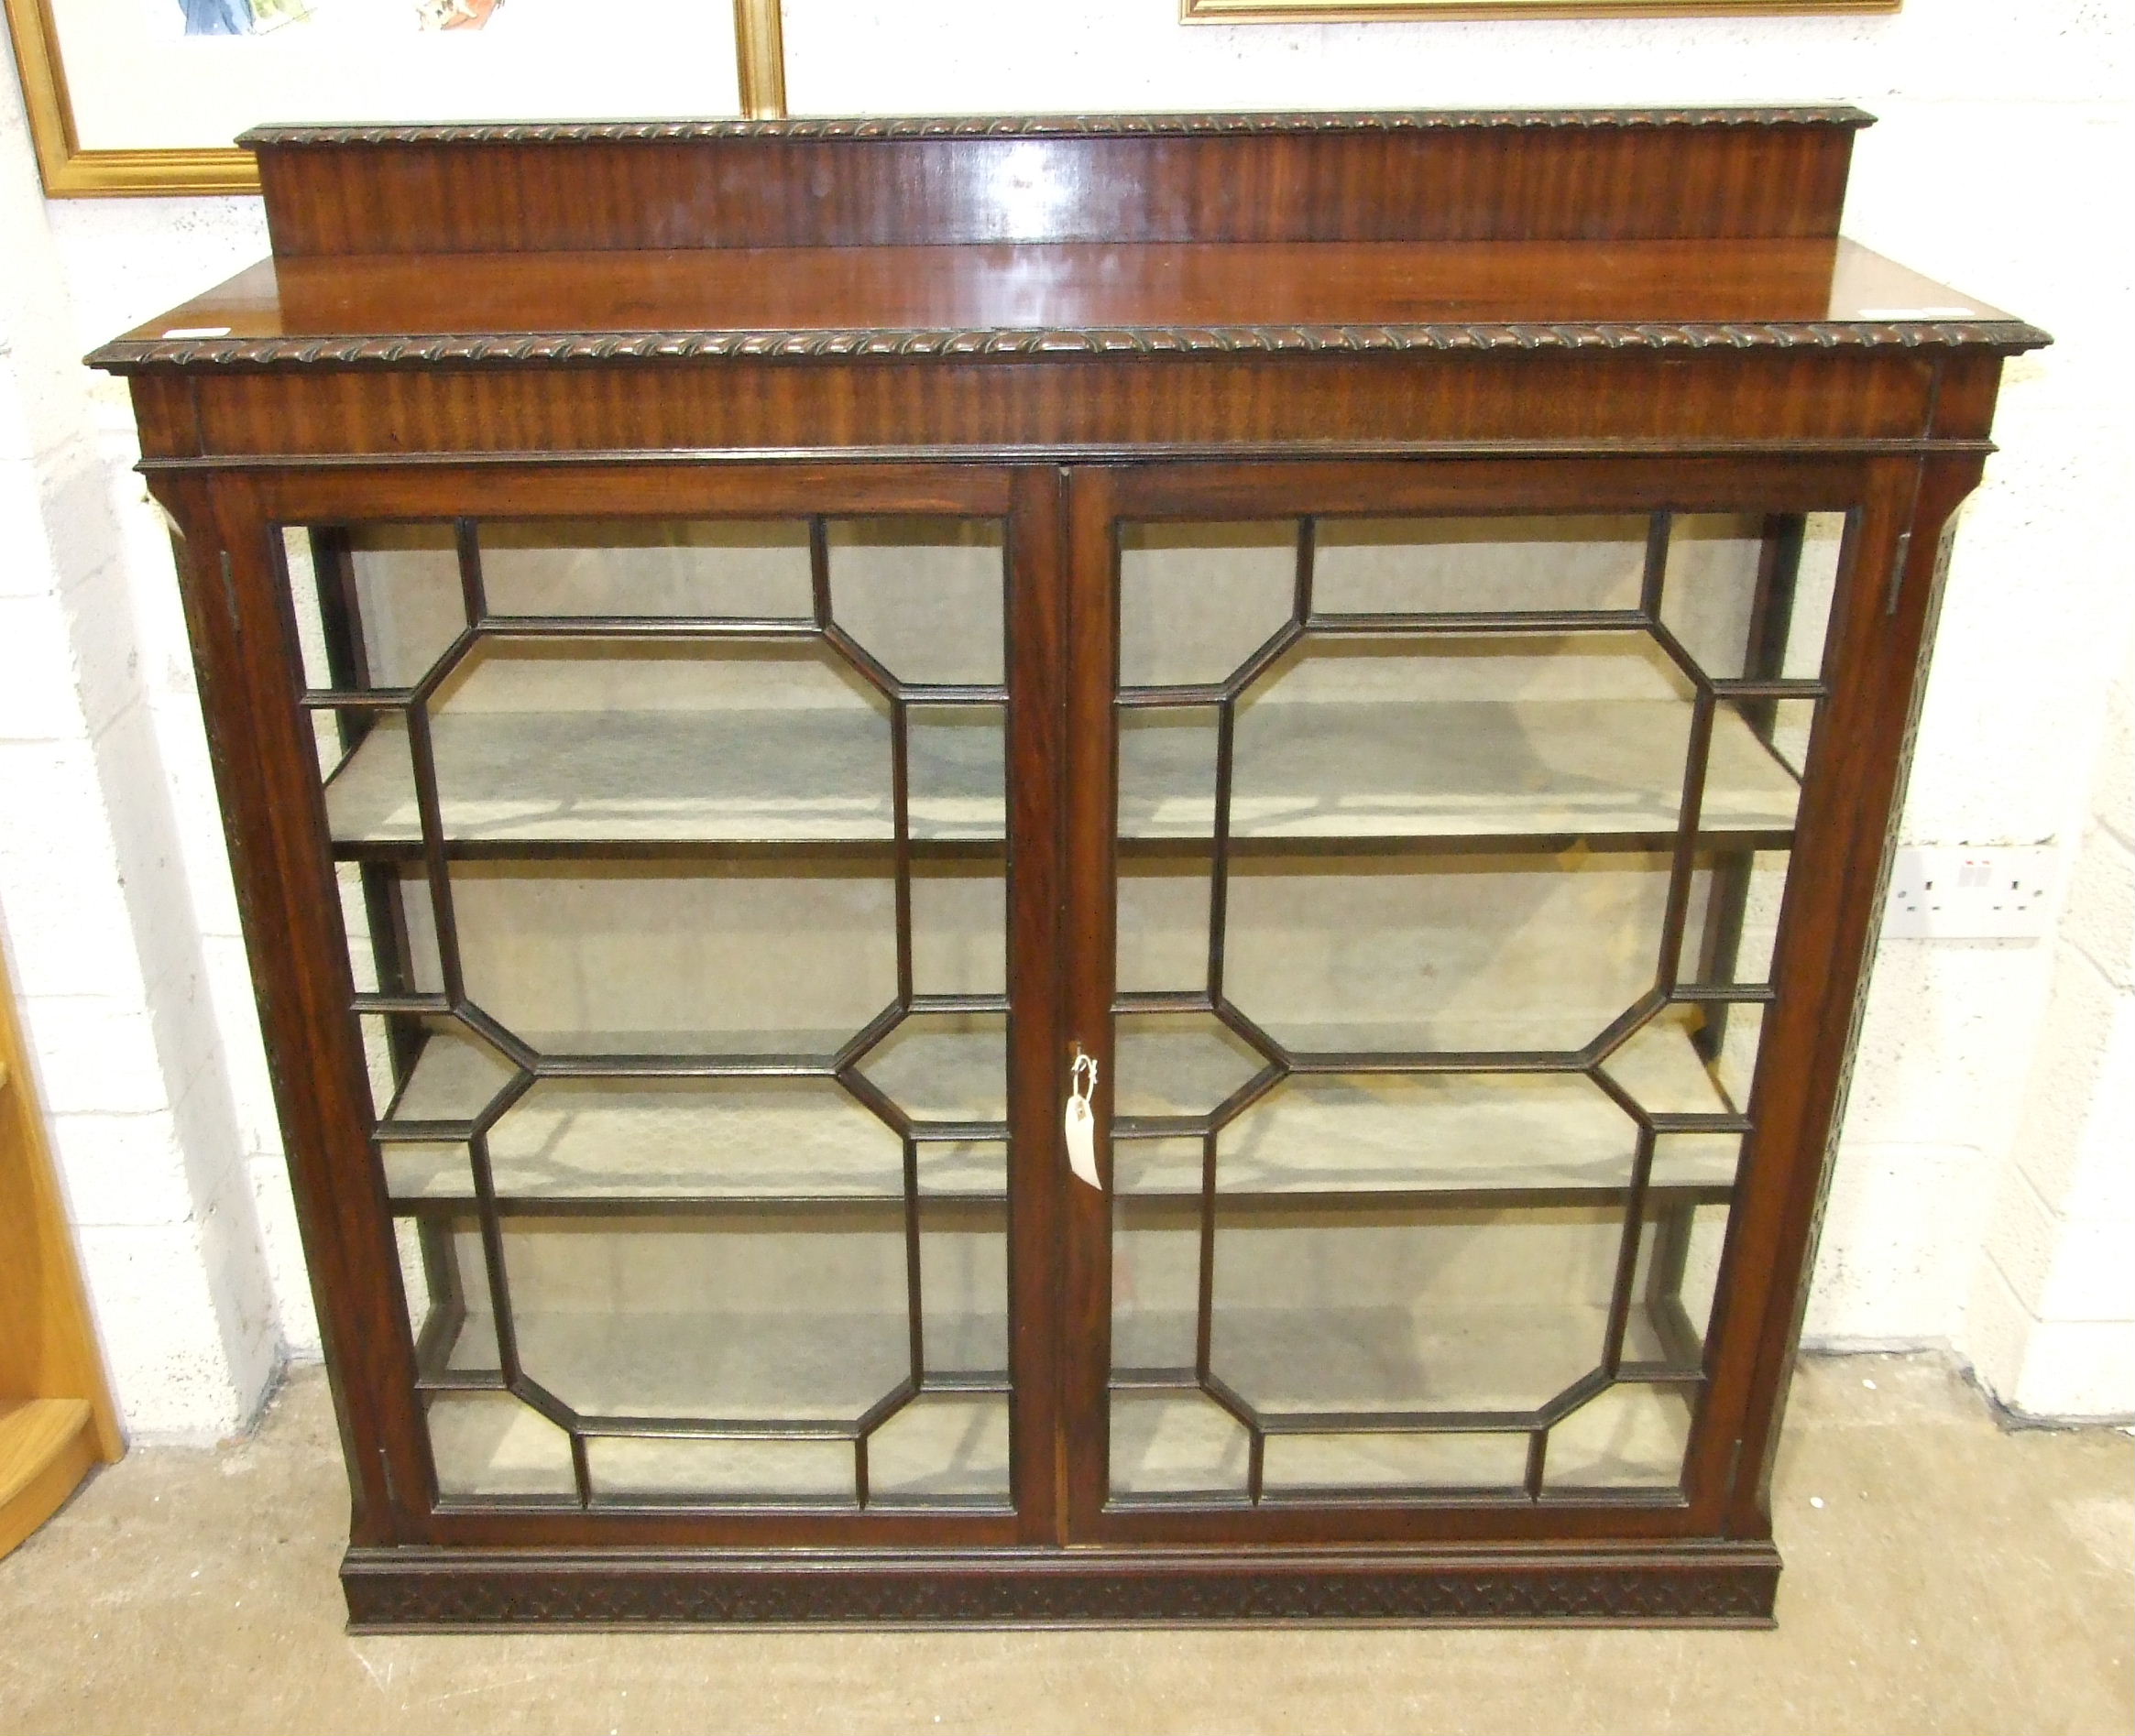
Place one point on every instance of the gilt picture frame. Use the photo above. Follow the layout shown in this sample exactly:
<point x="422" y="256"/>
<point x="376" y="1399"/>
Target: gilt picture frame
<point x="140" y="96"/>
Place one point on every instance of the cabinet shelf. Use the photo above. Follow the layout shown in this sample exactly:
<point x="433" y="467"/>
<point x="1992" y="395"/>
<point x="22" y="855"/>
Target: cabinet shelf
<point x="527" y="779"/>
<point x="1473" y="774"/>
<point x="1494" y="773"/>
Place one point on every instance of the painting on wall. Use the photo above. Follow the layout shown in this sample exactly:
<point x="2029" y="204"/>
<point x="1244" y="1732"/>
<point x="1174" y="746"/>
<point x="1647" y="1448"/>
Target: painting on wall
<point x="144" y="96"/>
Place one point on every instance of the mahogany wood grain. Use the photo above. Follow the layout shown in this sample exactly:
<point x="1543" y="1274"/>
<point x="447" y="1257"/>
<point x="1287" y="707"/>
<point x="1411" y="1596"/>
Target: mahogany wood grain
<point x="1069" y="409"/>
<point x="1064" y="323"/>
<point x="1080" y="287"/>
<point x="1134" y="179"/>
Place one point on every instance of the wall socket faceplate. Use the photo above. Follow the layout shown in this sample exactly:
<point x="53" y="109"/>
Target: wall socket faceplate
<point x="1955" y="891"/>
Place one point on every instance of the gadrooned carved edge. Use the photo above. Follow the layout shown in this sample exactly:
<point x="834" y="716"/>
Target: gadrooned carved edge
<point x="385" y="1594"/>
<point x="1040" y="126"/>
<point x="475" y="349"/>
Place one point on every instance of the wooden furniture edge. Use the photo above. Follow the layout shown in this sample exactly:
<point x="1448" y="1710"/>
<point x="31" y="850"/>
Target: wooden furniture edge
<point x="57" y="1418"/>
<point x="2002" y="337"/>
<point x="1689" y="1584"/>
<point x="47" y="1447"/>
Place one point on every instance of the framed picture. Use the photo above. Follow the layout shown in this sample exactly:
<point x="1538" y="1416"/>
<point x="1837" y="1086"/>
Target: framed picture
<point x="1353" y="11"/>
<point x="144" y="96"/>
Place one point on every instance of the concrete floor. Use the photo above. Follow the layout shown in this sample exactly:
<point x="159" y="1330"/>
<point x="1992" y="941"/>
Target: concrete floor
<point x="1941" y="1575"/>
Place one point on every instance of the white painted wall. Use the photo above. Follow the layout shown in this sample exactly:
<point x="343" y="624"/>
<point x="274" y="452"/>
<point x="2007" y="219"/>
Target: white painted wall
<point x="2005" y="126"/>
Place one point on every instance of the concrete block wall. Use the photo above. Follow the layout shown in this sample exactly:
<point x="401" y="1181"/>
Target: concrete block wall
<point x="2000" y="118"/>
<point x="2052" y="1314"/>
<point x="99" y="919"/>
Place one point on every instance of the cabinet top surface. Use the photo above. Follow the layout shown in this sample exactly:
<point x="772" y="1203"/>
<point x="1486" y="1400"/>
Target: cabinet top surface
<point x="1034" y="300"/>
<point x="1023" y="237"/>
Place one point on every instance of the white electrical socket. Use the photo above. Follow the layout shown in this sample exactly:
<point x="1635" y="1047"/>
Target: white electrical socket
<point x="1957" y="892"/>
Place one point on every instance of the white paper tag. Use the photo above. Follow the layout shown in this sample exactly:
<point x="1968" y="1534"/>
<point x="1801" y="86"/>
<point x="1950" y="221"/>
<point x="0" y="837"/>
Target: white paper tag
<point x="1081" y="1129"/>
<point x="197" y="330"/>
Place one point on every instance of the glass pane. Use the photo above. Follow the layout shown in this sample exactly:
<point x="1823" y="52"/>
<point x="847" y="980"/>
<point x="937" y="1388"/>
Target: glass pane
<point x="1177" y="1064"/>
<point x="1630" y="1436"/>
<point x="1410" y="1310"/>
<point x="490" y="1445"/>
<point x="958" y="778"/>
<point x="1298" y="1463"/>
<point x="1487" y="915"/>
<point x="604" y="738"/>
<point x="650" y="1467"/>
<point x="446" y="1072"/>
<point x="1479" y="736"/>
<point x="756" y="1314"/>
<point x="1197" y="600"/>
<point x="1439" y="1131"/>
<point x="963" y="1284"/>
<point x="1677" y="1280"/>
<point x="1433" y="566"/>
<point x="1749" y="595"/>
<point x="1162" y="917"/>
<point x="1155" y="1283"/>
<point x="942" y="1443"/>
<point x="1167" y="772"/>
<point x="772" y="955"/>
<point x="604" y="1139"/>
<point x="944" y="1067"/>
<point x="1734" y="921"/>
<point x="1335" y="952"/>
<point x="959" y="926"/>
<point x="376" y="604"/>
<point x="732" y="569"/>
<point x="923" y="596"/>
<point x="672" y="870"/>
<point x="1178" y="1442"/>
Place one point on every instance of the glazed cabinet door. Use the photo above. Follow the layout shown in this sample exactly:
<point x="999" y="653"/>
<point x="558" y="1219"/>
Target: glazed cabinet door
<point x="1434" y="830"/>
<point x="690" y="935"/>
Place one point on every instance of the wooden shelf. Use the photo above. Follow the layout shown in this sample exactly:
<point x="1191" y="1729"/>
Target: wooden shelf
<point x="579" y="1145"/>
<point x="802" y="775"/>
<point x="1451" y="771"/>
<point x="1500" y="773"/>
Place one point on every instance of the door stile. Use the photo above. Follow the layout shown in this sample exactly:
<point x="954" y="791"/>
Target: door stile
<point x="1037" y="573"/>
<point x="1088" y="810"/>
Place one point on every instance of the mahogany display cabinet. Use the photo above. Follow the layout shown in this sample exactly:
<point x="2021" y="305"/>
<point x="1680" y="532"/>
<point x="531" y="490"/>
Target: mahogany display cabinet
<point x="1062" y="870"/>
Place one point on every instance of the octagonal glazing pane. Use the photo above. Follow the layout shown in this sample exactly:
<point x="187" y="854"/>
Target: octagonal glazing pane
<point x="1198" y="599"/>
<point x="751" y="1312"/>
<point x="923" y="595"/>
<point x="1427" y="1132"/>
<point x="944" y="1066"/>
<point x="764" y="1138"/>
<point x="488" y="1446"/>
<point x="1393" y="951"/>
<point x="1453" y="565"/>
<point x="1459" y="736"/>
<point x="1177" y="1064"/>
<point x="375" y="605"/>
<point x="746" y="954"/>
<point x="1409" y="1309"/>
<point x="1628" y="1436"/>
<point x="715" y="568"/>
<point x="649" y="741"/>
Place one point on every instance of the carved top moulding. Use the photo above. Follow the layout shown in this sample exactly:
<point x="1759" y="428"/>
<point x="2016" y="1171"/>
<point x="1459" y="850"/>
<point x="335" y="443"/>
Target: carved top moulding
<point x="1029" y="238"/>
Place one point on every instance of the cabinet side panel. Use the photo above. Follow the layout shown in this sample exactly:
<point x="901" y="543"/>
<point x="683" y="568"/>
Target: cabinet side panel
<point x="299" y="971"/>
<point x="1890" y="627"/>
